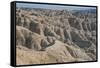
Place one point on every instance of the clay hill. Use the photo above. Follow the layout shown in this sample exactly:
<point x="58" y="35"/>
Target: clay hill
<point x="54" y="36"/>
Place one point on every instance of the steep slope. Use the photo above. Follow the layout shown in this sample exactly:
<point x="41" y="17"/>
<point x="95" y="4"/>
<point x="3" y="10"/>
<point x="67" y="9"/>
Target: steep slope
<point x="57" y="53"/>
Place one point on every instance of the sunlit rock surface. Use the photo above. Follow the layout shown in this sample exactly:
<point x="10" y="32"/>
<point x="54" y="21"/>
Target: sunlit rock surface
<point x="54" y="36"/>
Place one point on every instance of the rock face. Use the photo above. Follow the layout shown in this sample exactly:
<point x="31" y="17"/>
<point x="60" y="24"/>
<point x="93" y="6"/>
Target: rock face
<point x="54" y="36"/>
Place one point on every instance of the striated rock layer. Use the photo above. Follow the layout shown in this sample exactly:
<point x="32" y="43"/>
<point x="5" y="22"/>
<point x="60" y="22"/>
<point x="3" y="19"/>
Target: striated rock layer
<point x="54" y="36"/>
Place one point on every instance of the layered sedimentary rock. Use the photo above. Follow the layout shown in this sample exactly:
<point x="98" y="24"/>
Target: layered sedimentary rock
<point x="54" y="36"/>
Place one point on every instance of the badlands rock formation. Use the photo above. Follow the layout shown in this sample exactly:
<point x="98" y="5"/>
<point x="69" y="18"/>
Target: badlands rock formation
<point x="54" y="36"/>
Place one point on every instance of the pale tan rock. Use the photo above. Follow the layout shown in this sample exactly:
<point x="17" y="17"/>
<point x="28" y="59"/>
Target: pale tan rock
<point x="54" y="36"/>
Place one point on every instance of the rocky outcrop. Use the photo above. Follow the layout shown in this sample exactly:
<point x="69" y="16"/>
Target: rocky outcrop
<point x="54" y="36"/>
